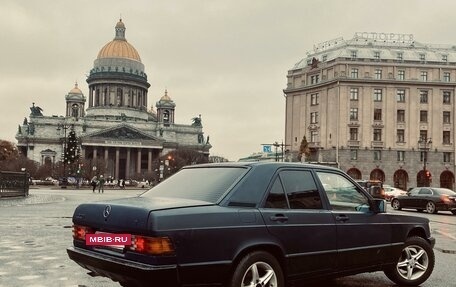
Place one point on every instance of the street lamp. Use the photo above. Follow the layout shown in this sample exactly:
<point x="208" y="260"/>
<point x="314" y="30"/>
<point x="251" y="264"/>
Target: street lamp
<point x="64" y="159"/>
<point x="424" y="144"/>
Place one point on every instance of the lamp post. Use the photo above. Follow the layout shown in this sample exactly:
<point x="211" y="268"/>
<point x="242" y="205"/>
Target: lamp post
<point x="424" y="144"/>
<point x="64" y="127"/>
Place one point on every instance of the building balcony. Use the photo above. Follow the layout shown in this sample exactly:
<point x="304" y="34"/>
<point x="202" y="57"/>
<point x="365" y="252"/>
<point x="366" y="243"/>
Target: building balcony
<point x="353" y="143"/>
<point x="377" y="144"/>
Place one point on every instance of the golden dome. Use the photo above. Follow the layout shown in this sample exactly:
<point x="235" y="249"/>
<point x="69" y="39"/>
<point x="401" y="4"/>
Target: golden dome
<point x="75" y="90"/>
<point x="165" y="97"/>
<point x="119" y="47"/>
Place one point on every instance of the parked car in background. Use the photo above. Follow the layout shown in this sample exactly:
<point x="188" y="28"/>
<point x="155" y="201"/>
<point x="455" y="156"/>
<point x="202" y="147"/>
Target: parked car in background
<point x="251" y="224"/>
<point x="373" y="187"/>
<point x="431" y="199"/>
<point x="392" y="192"/>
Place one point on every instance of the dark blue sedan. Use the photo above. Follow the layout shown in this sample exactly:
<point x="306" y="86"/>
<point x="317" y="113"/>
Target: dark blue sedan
<point x="250" y="224"/>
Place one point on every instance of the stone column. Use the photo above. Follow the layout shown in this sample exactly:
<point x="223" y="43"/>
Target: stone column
<point x="138" y="163"/>
<point x="127" y="168"/>
<point x="117" y="163"/>
<point x="106" y="157"/>
<point x="149" y="160"/>
<point x="83" y="152"/>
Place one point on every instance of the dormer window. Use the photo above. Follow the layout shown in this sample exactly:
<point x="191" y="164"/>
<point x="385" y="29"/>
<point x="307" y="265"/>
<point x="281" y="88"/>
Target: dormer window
<point x="377" y="55"/>
<point x="354" y="55"/>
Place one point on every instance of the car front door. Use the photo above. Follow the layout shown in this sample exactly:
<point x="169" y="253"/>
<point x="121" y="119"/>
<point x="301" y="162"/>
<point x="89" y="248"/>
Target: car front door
<point x="363" y="237"/>
<point x="294" y="215"/>
<point x="423" y="197"/>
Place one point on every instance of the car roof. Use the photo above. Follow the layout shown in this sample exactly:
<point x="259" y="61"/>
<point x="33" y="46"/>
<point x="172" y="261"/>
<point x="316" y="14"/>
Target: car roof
<point x="264" y="164"/>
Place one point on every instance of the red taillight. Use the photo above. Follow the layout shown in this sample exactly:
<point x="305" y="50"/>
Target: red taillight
<point x="79" y="231"/>
<point x="151" y="245"/>
<point x="445" y="198"/>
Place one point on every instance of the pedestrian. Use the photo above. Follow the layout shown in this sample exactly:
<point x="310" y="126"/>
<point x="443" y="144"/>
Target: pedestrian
<point x="94" y="183"/>
<point x="123" y="183"/>
<point x="101" y="182"/>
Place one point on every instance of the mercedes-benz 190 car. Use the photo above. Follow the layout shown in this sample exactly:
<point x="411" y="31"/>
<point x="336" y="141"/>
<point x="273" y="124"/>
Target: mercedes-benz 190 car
<point x="251" y="224"/>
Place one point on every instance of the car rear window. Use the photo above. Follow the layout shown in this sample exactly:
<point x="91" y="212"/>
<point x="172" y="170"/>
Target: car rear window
<point x="202" y="183"/>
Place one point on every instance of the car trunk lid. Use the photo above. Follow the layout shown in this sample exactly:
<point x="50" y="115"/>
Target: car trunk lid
<point x="127" y="214"/>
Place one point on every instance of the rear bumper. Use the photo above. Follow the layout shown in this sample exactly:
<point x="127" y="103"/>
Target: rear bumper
<point x="122" y="270"/>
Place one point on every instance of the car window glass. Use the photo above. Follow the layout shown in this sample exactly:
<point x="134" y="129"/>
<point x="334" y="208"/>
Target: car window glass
<point x="276" y="197"/>
<point x="203" y="183"/>
<point x="301" y="190"/>
<point x="425" y="191"/>
<point x="342" y="194"/>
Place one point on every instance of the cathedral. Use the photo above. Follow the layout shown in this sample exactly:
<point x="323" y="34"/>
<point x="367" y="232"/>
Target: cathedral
<point x="113" y="124"/>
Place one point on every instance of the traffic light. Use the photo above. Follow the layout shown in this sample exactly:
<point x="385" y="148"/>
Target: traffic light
<point x="428" y="175"/>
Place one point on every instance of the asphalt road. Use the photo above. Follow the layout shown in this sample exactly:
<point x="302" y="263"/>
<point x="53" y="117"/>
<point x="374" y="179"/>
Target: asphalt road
<point x="35" y="232"/>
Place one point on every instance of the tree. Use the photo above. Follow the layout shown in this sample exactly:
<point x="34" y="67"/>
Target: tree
<point x="303" y="149"/>
<point x="8" y="151"/>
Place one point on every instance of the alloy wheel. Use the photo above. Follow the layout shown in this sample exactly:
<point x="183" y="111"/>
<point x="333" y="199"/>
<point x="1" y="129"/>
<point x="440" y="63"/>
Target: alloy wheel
<point x="413" y="263"/>
<point x="430" y="207"/>
<point x="259" y="274"/>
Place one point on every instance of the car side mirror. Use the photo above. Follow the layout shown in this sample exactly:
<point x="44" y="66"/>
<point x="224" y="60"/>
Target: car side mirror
<point x="379" y="205"/>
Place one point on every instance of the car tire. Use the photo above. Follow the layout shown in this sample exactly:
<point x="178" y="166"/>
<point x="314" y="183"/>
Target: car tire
<point x="258" y="268"/>
<point x="396" y="204"/>
<point x="430" y="207"/>
<point x="415" y="263"/>
<point x="454" y="212"/>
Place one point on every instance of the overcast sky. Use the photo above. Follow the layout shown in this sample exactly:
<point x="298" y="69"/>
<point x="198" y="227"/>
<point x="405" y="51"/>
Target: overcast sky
<point x="226" y="60"/>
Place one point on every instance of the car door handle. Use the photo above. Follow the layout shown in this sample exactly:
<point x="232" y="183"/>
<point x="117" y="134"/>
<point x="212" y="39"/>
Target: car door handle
<point x="342" y="218"/>
<point x="279" y="217"/>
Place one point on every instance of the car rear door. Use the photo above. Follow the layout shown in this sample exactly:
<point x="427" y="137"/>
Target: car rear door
<point x="363" y="237"/>
<point x="294" y="215"/>
<point x="424" y="195"/>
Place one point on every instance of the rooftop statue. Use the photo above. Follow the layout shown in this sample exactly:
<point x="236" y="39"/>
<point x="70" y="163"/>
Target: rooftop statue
<point x="36" y="111"/>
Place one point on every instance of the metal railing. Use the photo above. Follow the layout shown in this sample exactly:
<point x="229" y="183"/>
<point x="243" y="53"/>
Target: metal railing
<point x="14" y="184"/>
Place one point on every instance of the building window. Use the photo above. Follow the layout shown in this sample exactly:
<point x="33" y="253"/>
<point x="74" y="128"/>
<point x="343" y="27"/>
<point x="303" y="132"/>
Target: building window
<point x="377" y="114"/>
<point x="423" y="135"/>
<point x="377" y="135"/>
<point x="353" y="134"/>
<point x="324" y="58"/>
<point x="354" y="55"/>
<point x="423" y="97"/>
<point x="400" y="136"/>
<point x="400" y="116"/>
<point x="314" y="79"/>
<point x="446" y="117"/>
<point x="377" y="155"/>
<point x="424" y="76"/>
<point x="354" y="73"/>
<point x="400" y="96"/>
<point x="314" y="118"/>
<point x="354" y="114"/>
<point x="444" y="58"/>
<point x="446" y="97"/>
<point x="401" y="75"/>
<point x="314" y="99"/>
<point x="377" y="95"/>
<point x="423" y="156"/>
<point x="400" y="56"/>
<point x="447" y="157"/>
<point x="313" y="136"/>
<point x="377" y="55"/>
<point x="423" y="116"/>
<point x="422" y="57"/>
<point x="354" y="94"/>
<point x="353" y="154"/>
<point x="400" y="155"/>
<point x="446" y="76"/>
<point x="378" y="74"/>
<point x="446" y="137"/>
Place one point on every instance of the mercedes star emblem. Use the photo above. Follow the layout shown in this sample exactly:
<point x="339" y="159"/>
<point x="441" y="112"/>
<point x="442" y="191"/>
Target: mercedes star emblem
<point x="107" y="211"/>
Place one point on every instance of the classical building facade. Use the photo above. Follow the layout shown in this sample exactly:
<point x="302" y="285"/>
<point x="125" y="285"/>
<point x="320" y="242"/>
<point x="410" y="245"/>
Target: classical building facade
<point x="381" y="106"/>
<point x="113" y="123"/>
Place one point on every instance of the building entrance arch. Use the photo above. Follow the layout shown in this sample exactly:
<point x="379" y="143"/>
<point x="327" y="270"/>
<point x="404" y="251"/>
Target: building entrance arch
<point x="447" y="179"/>
<point x="400" y="179"/>
<point x="377" y="174"/>
<point x="354" y="173"/>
